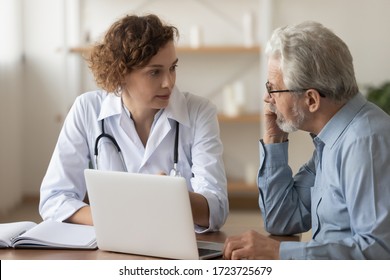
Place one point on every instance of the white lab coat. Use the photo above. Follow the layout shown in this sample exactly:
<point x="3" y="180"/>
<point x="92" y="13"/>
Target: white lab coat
<point x="200" y="151"/>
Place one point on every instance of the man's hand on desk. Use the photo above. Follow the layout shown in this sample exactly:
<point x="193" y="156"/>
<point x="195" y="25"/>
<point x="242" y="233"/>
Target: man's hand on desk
<point x="251" y="245"/>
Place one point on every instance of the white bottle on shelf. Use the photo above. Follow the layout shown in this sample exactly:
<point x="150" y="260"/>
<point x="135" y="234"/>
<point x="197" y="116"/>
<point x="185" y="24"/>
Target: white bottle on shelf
<point x="195" y="36"/>
<point x="234" y="99"/>
<point x="248" y="29"/>
<point x="229" y="103"/>
<point x="239" y="95"/>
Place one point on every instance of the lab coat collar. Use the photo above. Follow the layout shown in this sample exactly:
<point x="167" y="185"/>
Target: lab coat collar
<point x="177" y="108"/>
<point x="111" y="105"/>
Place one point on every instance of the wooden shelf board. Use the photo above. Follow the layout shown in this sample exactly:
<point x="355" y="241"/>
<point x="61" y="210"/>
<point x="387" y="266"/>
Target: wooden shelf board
<point x="243" y="118"/>
<point x="242" y="196"/>
<point x="243" y="203"/>
<point x="240" y="187"/>
<point x="81" y="49"/>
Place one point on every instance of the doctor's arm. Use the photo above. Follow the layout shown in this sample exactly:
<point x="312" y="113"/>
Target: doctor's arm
<point x="200" y="209"/>
<point x="82" y="216"/>
<point x="209" y="199"/>
<point x="63" y="187"/>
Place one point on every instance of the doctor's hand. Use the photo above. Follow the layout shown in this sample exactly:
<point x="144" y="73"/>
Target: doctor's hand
<point x="251" y="245"/>
<point x="272" y="132"/>
<point x="199" y="207"/>
<point x="82" y="216"/>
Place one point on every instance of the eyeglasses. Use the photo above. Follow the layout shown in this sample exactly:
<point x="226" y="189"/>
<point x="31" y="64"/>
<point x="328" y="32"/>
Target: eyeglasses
<point x="270" y="91"/>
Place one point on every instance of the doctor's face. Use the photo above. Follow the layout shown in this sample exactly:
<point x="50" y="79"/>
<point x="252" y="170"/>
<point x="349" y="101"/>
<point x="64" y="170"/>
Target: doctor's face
<point x="150" y="87"/>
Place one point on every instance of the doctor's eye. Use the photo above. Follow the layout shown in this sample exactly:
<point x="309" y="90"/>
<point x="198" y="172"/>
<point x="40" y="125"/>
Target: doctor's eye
<point x="154" y="73"/>
<point x="173" y="68"/>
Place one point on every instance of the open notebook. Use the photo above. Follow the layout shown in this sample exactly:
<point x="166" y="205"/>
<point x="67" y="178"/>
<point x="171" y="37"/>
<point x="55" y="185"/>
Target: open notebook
<point x="145" y="215"/>
<point x="47" y="234"/>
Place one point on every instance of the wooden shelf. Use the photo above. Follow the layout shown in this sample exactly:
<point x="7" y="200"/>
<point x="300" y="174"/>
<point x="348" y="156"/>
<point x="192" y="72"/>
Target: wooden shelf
<point x="191" y="50"/>
<point x="242" y="196"/>
<point x="83" y="49"/>
<point x="243" y="118"/>
<point x="236" y="187"/>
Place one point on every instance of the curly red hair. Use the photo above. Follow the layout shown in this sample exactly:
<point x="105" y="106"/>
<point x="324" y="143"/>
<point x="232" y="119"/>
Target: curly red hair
<point x="129" y="43"/>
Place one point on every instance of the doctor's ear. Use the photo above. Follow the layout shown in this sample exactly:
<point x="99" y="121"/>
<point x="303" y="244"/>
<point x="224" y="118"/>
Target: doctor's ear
<point x="123" y="87"/>
<point x="123" y="81"/>
<point x="312" y="100"/>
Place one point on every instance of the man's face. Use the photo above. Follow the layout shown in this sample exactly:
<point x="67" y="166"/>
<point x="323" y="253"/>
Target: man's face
<point x="286" y="105"/>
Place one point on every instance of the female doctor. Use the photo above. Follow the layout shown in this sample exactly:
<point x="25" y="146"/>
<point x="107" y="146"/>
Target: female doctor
<point x="132" y="123"/>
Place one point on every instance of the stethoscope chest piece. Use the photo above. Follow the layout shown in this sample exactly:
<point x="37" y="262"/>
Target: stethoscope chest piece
<point x="174" y="171"/>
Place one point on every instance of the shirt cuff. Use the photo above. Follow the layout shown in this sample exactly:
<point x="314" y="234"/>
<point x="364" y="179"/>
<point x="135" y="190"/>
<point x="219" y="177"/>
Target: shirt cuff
<point x="217" y="211"/>
<point x="290" y="250"/>
<point x="273" y="154"/>
<point x="68" y="209"/>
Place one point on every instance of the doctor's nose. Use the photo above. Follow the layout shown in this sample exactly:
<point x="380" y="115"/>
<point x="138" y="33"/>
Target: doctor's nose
<point x="168" y="81"/>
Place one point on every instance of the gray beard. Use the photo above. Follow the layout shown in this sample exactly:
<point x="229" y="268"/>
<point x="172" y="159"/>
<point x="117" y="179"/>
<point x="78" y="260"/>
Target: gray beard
<point x="289" y="126"/>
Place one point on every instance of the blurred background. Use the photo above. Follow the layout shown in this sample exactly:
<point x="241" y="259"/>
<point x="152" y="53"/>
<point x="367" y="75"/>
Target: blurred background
<point x="221" y="57"/>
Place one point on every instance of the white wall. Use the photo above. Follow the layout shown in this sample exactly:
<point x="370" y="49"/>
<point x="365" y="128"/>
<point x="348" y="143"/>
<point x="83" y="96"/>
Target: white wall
<point x="46" y="97"/>
<point x="11" y="78"/>
<point x="48" y="92"/>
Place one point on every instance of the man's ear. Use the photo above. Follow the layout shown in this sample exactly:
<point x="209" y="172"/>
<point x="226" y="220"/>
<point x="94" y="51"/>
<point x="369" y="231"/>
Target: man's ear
<point x="313" y="100"/>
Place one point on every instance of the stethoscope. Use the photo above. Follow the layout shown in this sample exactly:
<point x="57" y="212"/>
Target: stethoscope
<point x="174" y="171"/>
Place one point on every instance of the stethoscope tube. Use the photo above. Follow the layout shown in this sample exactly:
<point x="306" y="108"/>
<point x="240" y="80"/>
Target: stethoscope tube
<point x="112" y="139"/>
<point x="174" y="171"/>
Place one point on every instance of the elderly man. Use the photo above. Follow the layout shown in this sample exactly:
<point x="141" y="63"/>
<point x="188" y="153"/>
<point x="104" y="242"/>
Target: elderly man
<point x="343" y="192"/>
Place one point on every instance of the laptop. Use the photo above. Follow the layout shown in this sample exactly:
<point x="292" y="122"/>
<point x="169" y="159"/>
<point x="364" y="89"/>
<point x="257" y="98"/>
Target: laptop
<point x="145" y="214"/>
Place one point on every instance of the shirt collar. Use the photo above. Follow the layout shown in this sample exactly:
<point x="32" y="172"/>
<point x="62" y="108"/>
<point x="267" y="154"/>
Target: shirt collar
<point x="111" y="105"/>
<point x="339" y="122"/>
<point x="177" y="108"/>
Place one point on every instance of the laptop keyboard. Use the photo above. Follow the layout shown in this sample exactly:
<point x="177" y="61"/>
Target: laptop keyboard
<point x="204" y="251"/>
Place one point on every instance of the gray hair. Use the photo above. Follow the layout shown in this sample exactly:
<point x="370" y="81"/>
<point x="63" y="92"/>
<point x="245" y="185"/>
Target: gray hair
<point x="312" y="56"/>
